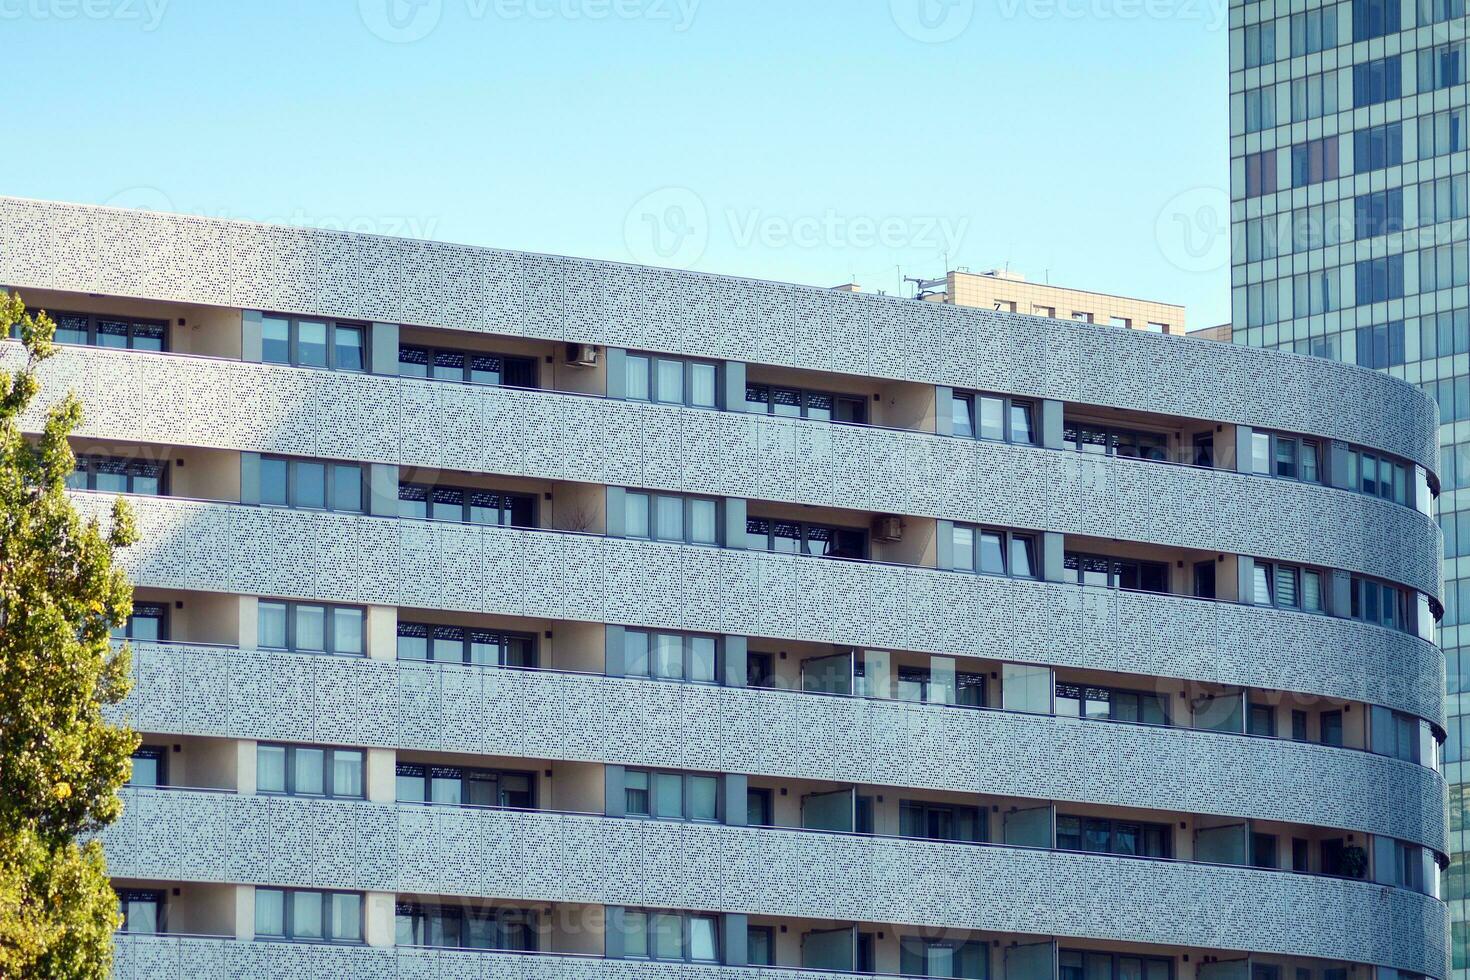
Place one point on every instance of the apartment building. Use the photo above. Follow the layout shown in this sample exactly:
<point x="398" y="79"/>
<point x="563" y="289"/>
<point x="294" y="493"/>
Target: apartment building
<point x="1009" y="292"/>
<point x="507" y="615"/>
<point x="1348" y="160"/>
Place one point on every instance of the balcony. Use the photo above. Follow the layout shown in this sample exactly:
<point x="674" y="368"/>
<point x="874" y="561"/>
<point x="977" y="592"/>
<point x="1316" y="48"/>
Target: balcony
<point x="207" y="402"/>
<point x="265" y="551"/>
<point x="251" y="694"/>
<point x="212" y="837"/>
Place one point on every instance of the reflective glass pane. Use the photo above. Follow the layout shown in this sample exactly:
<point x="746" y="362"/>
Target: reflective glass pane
<point x="306" y="915"/>
<point x="311" y="343"/>
<point x="635" y="653"/>
<point x="635" y="933"/>
<point x="668" y="795"/>
<point x="347" y="773"/>
<point x="702" y="942"/>
<point x="668" y="655"/>
<point x="702" y="659"/>
<point x="964" y="548"/>
<point x="347" y="488"/>
<point x="992" y="418"/>
<point x="311" y="628"/>
<point x="347" y="631"/>
<point x="309" y="775"/>
<point x="347" y="917"/>
<point x="635" y="515"/>
<point x="668" y="937"/>
<point x="669" y="517"/>
<point x="275" y="340"/>
<point x="310" y="488"/>
<point x="702" y="385"/>
<point x="637" y="377"/>
<point x="670" y="380"/>
<point x="702" y="522"/>
<point x="271" y="625"/>
<point x="270" y="912"/>
<point x="349" y="348"/>
<point x="1021" y="423"/>
<point x="270" y="768"/>
<point x="992" y="556"/>
<point x="703" y="797"/>
<point x="273" y="482"/>
<point x="960" y="408"/>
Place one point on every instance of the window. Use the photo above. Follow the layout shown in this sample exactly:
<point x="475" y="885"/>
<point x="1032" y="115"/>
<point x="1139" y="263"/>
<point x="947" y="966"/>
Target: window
<point x="1380" y="346"/>
<point x="147" y="624"/>
<point x="678" y="936"/>
<point x="1442" y="132"/>
<point x="993" y="551"/>
<point x="760" y="946"/>
<point x="670" y="795"/>
<point x="758" y="810"/>
<point x="1314" y="161"/>
<point x="150" y="766"/>
<point x="1379" y="213"/>
<point x="995" y="417"/>
<point x="308" y="916"/>
<point x="1444" y="199"/>
<point x="1117" y="573"/>
<point x="1260" y="719"/>
<point x="1264" y="851"/>
<point x="1075" y="964"/>
<point x="1112" y="704"/>
<point x="1260" y="44"/>
<point x="311" y="484"/>
<point x="691" y="657"/>
<point x="942" y="821"/>
<point x="1378" y="602"/>
<point x="420" y="501"/>
<point x="1441" y="66"/>
<point x="143" y="912"/>
<point x="671" y="517"/>
<point x="1379" y="280"/>
<point x="1314" y="31"/>
<point x="919" y="957"/>
<point x="796" y="403"/>
<point x="462" y="786"/>
<point x="1126" y="837"/>
<point x="1298" y="726"/>
<point x="308" y="770"/>
<point x="1108" y="440"/>
<point x="1152" y="327"/>
<point x="1260" y="110"/>
<point x="1330" y="726"/>
<point x="313" y="343"/>
<point x="760" y="670"/>
<point x="1286" y="457"/>
<point x="1438" y="11"/>
<point x="415" y="361"/>
<point x="1376" y="81"/>
<point x="1287" y="586"/>
<point x="304" y="627"/>
<point x="107" y="331"/>
<point x="804" y="538"/>
<point x="457" y="927"/>
<point x="1120" y="321"/>
<point x="466" y="645"/>
<point x="1443" y="267"/>
<point x="114" y="474"/>
<point x="1378" y="476"/>
<point x="670" y="381"/>
<point x="1314" y="96"/>
<point x="1374" y="18"/>
<point x="1377" y="147"/>
<point x="1260" y="173"/>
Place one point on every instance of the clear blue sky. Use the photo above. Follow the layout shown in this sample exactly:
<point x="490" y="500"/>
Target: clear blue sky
<point x="815" y="141"/>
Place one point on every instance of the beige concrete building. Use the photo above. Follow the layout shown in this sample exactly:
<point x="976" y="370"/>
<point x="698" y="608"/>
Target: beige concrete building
<point x="1009" y="292"/>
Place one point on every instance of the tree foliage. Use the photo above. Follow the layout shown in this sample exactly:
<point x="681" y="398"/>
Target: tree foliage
<point x="61" y="762"/>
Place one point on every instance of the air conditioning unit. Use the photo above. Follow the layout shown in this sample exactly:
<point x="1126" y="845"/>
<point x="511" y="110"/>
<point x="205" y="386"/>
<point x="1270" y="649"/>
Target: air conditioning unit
<point x="888" y="527"/>
<point x="581" y="355"/>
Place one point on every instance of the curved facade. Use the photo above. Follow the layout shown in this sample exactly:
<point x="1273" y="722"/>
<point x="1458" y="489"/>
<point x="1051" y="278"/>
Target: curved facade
<point x="516" y="615"/>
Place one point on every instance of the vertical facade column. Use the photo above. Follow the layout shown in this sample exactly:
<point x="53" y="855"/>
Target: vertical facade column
<point x="1053" y="556"/>
<point x="617" y="372"/>
<point x="383" y="348"/>
<point x="733" y="791"/>
<point x="245" y="913"/>
<point x="1245" y="578"/>
<point x="1053" y="430"/>
<point x="612" y="655"/>
<point x="245" y="767"/>
<point x="251" y="346"/>
<point x="1243" y="435"/>
<point x="379" y="925"/>
<point x="734" y="938"/>
<point x="732" y="386"/>
<point x="250" y="478"/>
<point x="734" y="530"/>
<point x="736" y="659"/>
<point x="382" y="632"/>
<point x="382" y="775"/>
<point x="943" y="410"/>
<point x="383" y="490"/>
<point x="614" y="799"/>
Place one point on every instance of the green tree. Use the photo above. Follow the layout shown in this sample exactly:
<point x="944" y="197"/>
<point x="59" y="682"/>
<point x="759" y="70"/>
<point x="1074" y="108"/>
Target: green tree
<point x="61" y="763"/>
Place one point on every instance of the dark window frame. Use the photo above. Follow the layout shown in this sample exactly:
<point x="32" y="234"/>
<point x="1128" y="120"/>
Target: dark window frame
<point x="473" y="361"/>
<point x="1084" y="694"/>
<point x="651" y="500"/>
<point x="857" y="404"/>
<point x="326" y="896"/>
<point x="332" y="325"/>
<point x="1009" y="540"/>
<point x="88" y="465"/>
<point x="505" y="503"/>
<point x="503" y="640"/>
<point x="686" y="920"/>
<point x="154" y="896"/>
<point x="686" y="795"/>
<point x="687" y="656"/>
<point x="329" y="772"/>
<point x="330" y="475"/>
<point x="292" y="610"/>
<point x="68" y="320"/>
<point x="1076" y="559"/>
<point x="805" y="529"/>
<point x="428" y="772"/>
<point x="507" y="922"/>
<point x="651" y="363"/>
<point x="972" y="401"/>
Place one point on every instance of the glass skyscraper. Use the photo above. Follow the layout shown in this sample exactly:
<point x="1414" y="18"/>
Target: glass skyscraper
<point x="1349" y="241"/>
